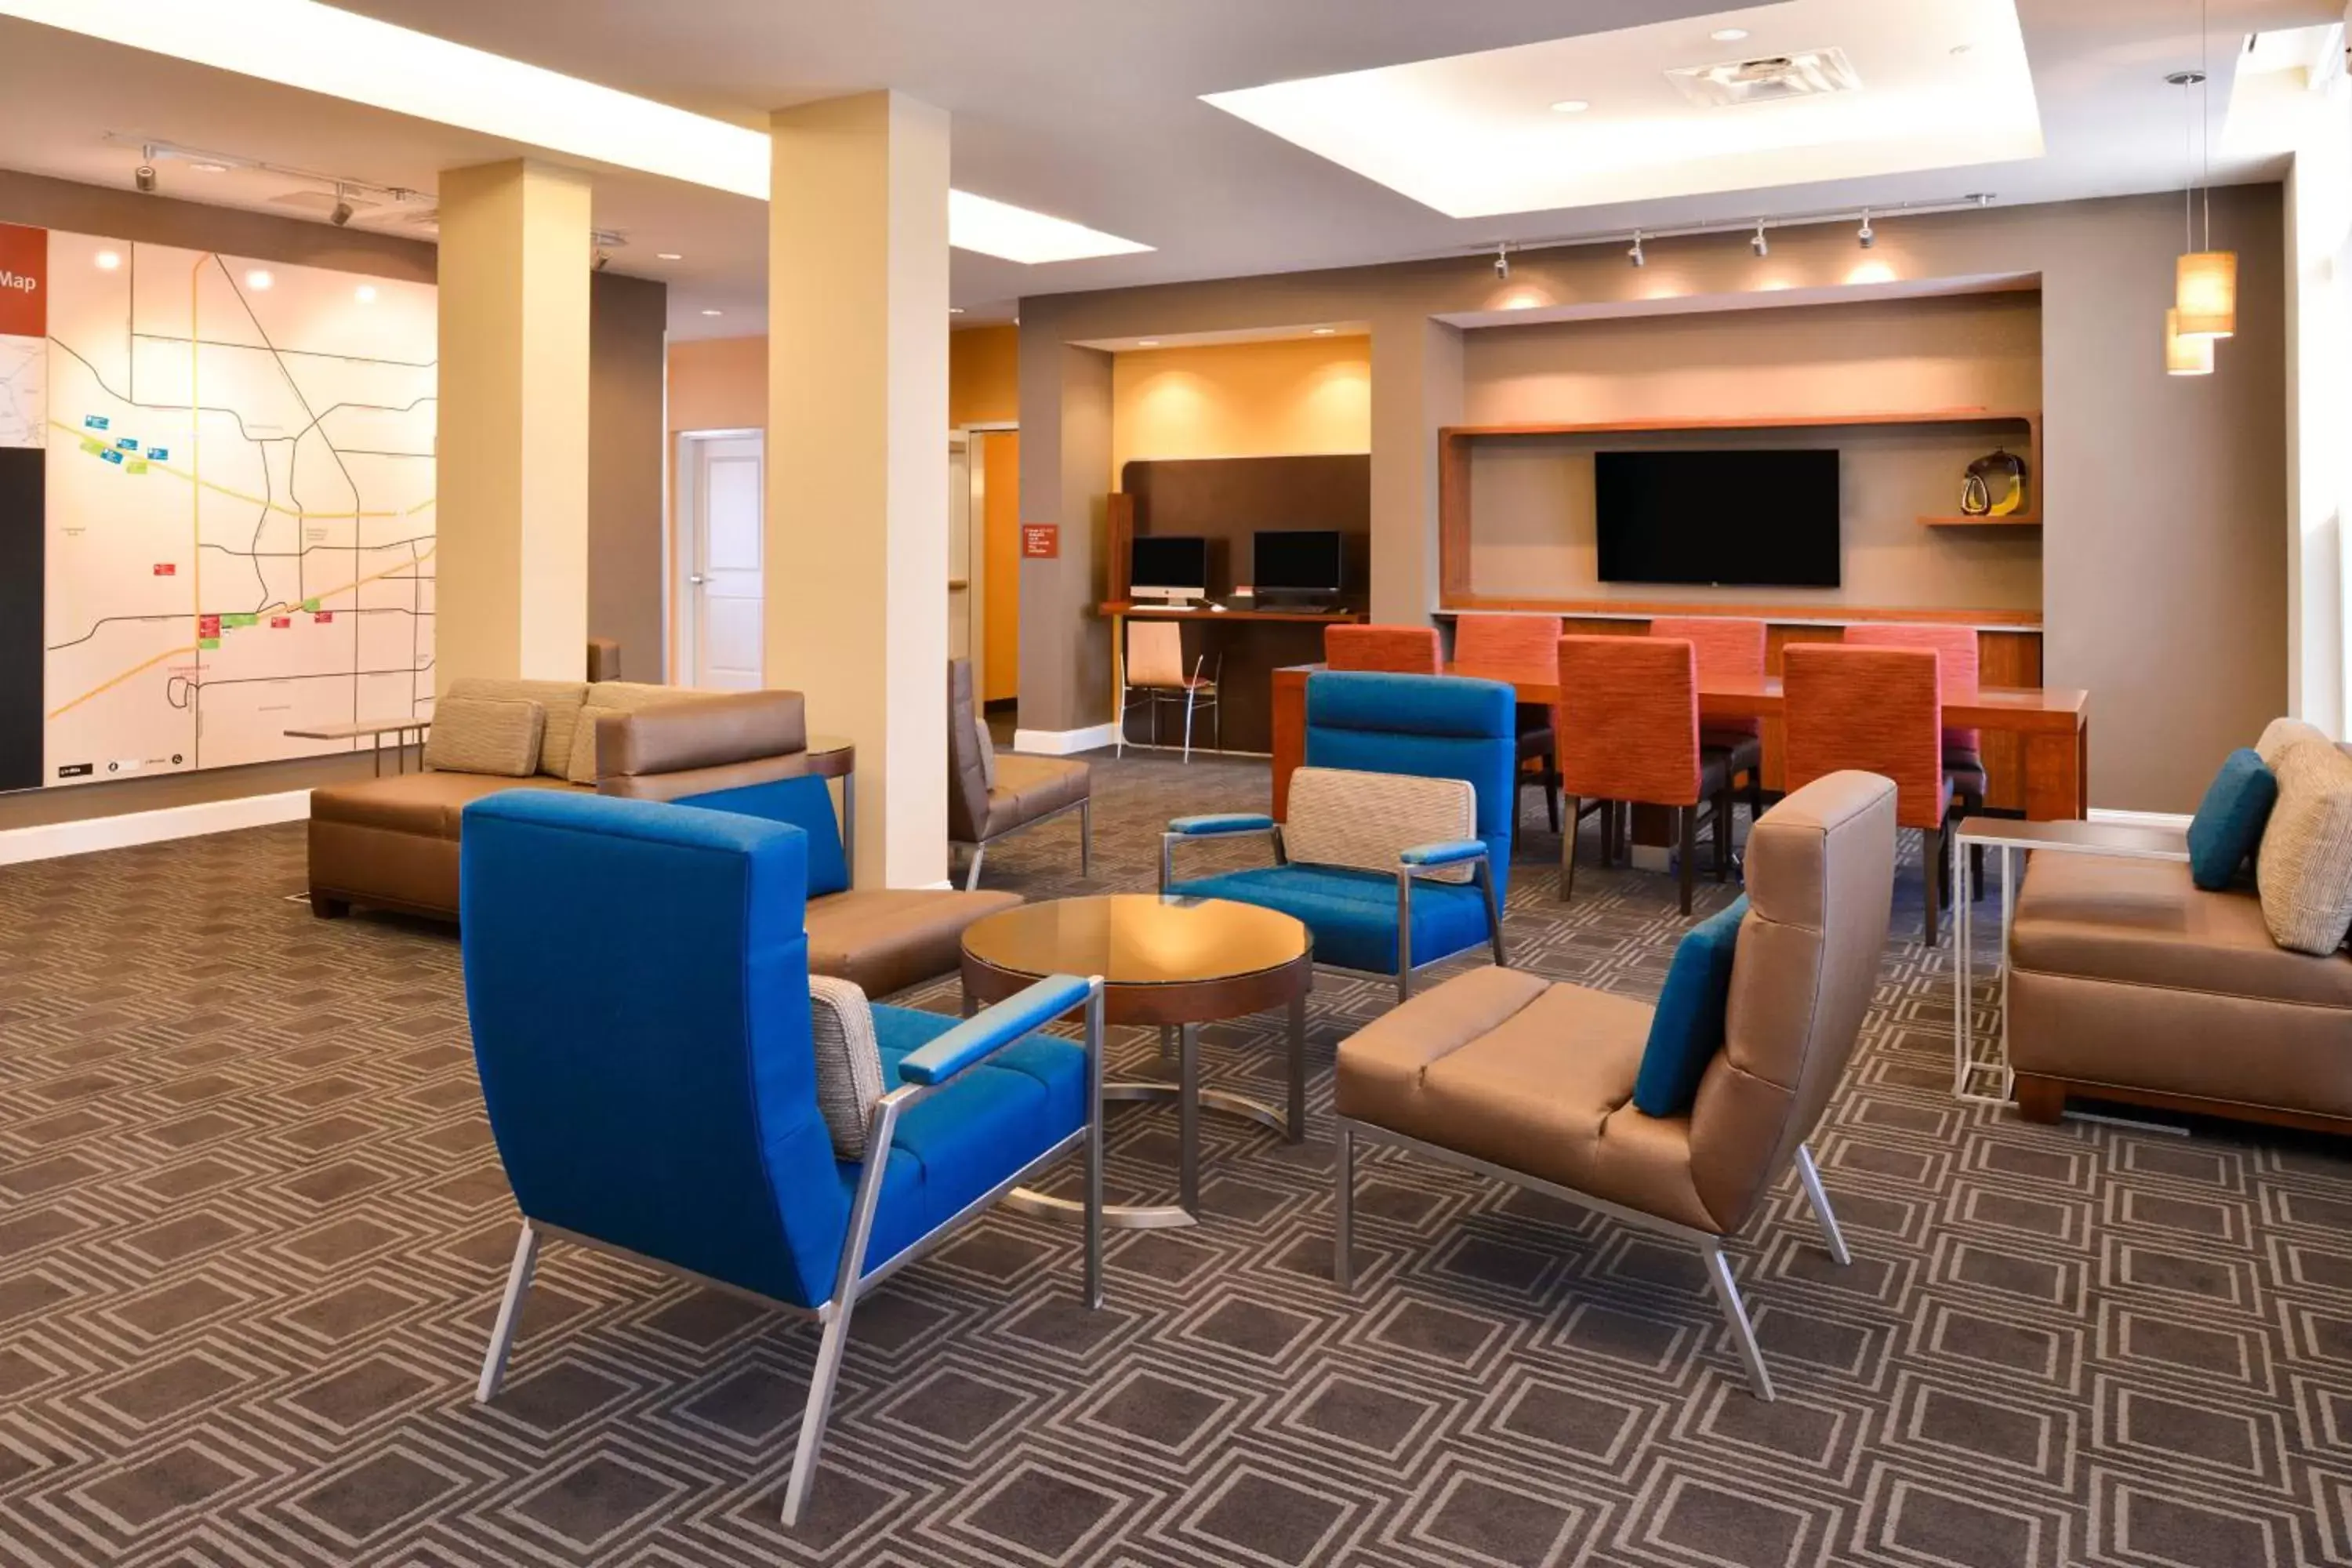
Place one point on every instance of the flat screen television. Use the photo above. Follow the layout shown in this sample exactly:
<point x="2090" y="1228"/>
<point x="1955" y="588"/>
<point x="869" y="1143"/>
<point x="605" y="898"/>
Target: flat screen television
<point x="1168" y="566"/>
<point x="1295" y="561"/>
<point x="1754" y="519"/>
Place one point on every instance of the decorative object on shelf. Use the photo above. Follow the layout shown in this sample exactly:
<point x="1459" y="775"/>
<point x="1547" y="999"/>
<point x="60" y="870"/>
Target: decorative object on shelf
<point x="1977" y="496"/>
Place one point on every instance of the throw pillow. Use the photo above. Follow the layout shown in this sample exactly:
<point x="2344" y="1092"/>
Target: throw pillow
<point x="582" y="766"/>
<point x="486" y="735"/>
<point x="2230" y="820"/>
<point x="2305" y="868"/>
<point x="562" y="700"/>
<point x="987" y="753"/>
<point x="1341" y="817"/>
<point x="1687" y="1028"/>
<point x="848" y="1061"/>
<point x="2280" y="733"/>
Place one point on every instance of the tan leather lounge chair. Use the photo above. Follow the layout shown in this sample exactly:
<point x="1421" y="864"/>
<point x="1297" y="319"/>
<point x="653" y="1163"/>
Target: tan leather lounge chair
<point x="1532" y="1082"/>
<point x="990" y="795"/>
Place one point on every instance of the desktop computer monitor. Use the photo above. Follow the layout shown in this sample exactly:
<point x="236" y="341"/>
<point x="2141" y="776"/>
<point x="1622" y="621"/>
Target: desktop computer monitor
<point x="1163" y="566"/>
<point x="1300" y="563"/>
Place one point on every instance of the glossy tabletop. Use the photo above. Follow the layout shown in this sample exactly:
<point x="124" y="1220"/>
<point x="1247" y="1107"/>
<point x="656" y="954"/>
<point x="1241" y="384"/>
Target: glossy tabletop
<point x="1139" y="939"/>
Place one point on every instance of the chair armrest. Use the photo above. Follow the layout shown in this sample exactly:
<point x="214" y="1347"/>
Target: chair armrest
<point x="1451" y="852"/>
<point x="994" y="1028"/>
<point x="1213" y="824"/>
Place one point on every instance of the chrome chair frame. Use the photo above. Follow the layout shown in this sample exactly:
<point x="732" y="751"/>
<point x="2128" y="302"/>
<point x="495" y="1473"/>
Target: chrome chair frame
<point x="1157" y="695"/>
<point x="1347" y="1131"/>
<point x="1084" y="808"/>
<point x="1408" y="870"/>
<point x="849" y="1283"/>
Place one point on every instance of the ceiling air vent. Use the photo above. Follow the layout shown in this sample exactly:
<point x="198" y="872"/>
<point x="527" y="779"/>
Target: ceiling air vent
<point x="1814" y="73"/>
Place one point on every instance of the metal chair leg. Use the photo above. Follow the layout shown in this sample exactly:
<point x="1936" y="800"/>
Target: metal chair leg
<point x="502" y="1334"/>
<point x="1118" y="735"/>
<point x="819" y="1408"/>
<point x="1719" y="830"/>
<point x="971" y="873"/>
<point x="1405" y="937"/>
<point x="1485" y="878"/>
<point x="1294" y="1110"/>
<point x="1811" y="1176"/>
<point x="1189" y="696"/>
<point x="1343" y="1223"/>
<point x="1931" y="867"/>
<point x="1085" y="840"/>
<point x="1735" y="1316"/>
<point x="1094" y="1148"/>
<point x="1689" y="816"/>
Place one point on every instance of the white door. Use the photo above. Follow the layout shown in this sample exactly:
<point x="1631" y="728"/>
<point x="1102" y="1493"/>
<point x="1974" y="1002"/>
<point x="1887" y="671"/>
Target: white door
<point x="724" y="579"/>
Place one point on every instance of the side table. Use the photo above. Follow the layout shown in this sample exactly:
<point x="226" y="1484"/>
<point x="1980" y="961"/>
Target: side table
<point x="1983" y="1078"/>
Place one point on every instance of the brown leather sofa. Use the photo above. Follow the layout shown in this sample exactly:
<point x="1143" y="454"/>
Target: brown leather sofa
<point x="392" y="843"/>
<point x="992" y="794"/>
<point x="1532" y="1082"/>
<point x="2127" y="983"/>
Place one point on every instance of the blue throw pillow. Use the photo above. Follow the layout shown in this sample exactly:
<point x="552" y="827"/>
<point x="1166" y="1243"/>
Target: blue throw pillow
<point x="2229" y="822"/>
<point x="1688" y="1029"/>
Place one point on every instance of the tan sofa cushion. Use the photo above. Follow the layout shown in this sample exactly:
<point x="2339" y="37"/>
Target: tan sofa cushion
<point x="885" y="940"/>
<point x="699" y="729"/>
<point x="1028" y="787"/>
<point x="562" y="699"/>
<point x="2280" y="733"/>
<point x="498" y="735"/>
<point x="1339" y="816"/>
<point x="2304" y="868"/>
<point x="427" y="803"/>
<point x="2144" y="922"/>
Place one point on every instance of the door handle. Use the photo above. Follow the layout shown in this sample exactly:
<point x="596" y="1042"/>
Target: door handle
<point x="695" y="577"/>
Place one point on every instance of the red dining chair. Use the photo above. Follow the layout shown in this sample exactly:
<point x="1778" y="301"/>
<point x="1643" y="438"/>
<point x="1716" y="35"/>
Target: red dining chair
<point x="1399" y="650"/>
<point x="1733" y="650"/>
<point x="1512" y="643"/>
<point x="1629" y="735"/>
<point x="1846" y="705"/>
<point x="1957" y="653"/>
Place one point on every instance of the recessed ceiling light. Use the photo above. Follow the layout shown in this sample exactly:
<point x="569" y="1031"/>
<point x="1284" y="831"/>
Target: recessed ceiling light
<point x="1016" y="233"/>
<point x="1325" y="331"/>
<point x="364" y="293"/>
<point x="259" y="279"/>
<point x="955" y="310"/>
<point x="208" y="166"/>
<point x="108" y="261"/>
<point x="667" y="255"/>
<point x="1147" y="342"/>
<point x="1571" y="106"/>
<point x="1729" y="34"/>
<point x="712" y="313"/>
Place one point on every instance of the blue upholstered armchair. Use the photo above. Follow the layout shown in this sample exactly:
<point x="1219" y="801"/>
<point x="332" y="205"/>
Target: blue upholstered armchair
<point x="637" y="979"/>
<point x="1397" y="849"/>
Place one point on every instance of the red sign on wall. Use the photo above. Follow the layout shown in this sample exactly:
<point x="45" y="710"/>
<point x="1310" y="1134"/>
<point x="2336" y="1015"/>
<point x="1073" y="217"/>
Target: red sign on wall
<point x="24" y="282"/>
<point x="1041" y="540"/>
<point x="167" y="569"/>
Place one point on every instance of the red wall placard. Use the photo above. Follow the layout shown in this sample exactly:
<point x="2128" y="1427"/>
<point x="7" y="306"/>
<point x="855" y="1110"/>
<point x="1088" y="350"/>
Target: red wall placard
<point x="24" y="282"/>
<point x="1041" y="540"/>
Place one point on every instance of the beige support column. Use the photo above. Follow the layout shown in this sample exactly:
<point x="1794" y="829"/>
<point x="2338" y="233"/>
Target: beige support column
<point x="857" y="557"/>
<point x="510" y="569"/>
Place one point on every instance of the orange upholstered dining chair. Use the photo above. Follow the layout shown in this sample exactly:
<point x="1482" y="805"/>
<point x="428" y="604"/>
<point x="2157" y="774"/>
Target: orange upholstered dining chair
<point x="1848" y="705"/>
<point x="1511" y="643"/>
<point x="1398" y="650"/>
<point x="1733" y="650"/>
<point x="1957" y="667"/>
<point x="1629" y="735"/>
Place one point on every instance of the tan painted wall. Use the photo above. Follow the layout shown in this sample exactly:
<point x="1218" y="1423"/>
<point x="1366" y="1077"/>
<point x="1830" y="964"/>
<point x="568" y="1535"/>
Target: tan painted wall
<point x="1534" y="532"/>
<point x="985" y="375"/>
<point x="2164" y="563"/>
<point x="1288" y="398"/>
<point x="718" y="384"/>
<point x="627" y="324"/>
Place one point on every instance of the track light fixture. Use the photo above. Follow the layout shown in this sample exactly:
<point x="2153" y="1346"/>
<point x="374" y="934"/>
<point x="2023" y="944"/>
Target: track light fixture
<point x="1866" y="236"/>
<point x="1503" y="261"/>
<point x="1634" y="258"/>
<point x="1758" y="243"/>
<point x="143" y="177"/>
<point x="342" y="213"/>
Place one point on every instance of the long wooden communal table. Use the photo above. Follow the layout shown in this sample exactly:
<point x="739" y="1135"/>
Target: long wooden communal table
<point x="2053" y="723"/>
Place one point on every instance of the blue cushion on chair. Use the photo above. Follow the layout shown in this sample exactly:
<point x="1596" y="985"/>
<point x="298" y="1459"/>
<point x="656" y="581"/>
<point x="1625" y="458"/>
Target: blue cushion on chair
<point x="2230" y="819"/>
<point x="1688" y="1030"/>
<point x="1353" y="914"/>
<point x="807" y="804"/>
<point x="1432" y="726"/>
<point x="962" y="1142"/>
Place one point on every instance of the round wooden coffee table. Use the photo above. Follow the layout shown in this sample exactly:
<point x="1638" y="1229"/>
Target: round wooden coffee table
<point x="1174" y="962"/>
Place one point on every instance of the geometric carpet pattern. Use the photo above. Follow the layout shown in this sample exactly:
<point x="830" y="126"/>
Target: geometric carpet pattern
<point x="253" y="1228"/>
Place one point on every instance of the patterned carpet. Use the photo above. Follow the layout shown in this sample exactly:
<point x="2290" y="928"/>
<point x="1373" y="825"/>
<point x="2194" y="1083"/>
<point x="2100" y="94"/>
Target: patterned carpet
<point x="252" y="1230"/>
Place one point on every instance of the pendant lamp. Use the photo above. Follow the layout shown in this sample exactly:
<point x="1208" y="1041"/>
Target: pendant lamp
<point x="2183" y="354"/>
<point x="2205" y="281"/>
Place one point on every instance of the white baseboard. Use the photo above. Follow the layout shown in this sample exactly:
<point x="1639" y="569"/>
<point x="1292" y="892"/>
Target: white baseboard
<point x="2140" y="818"/>
<point x="48" y="840"/>
<point x="1063" y="742"/>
